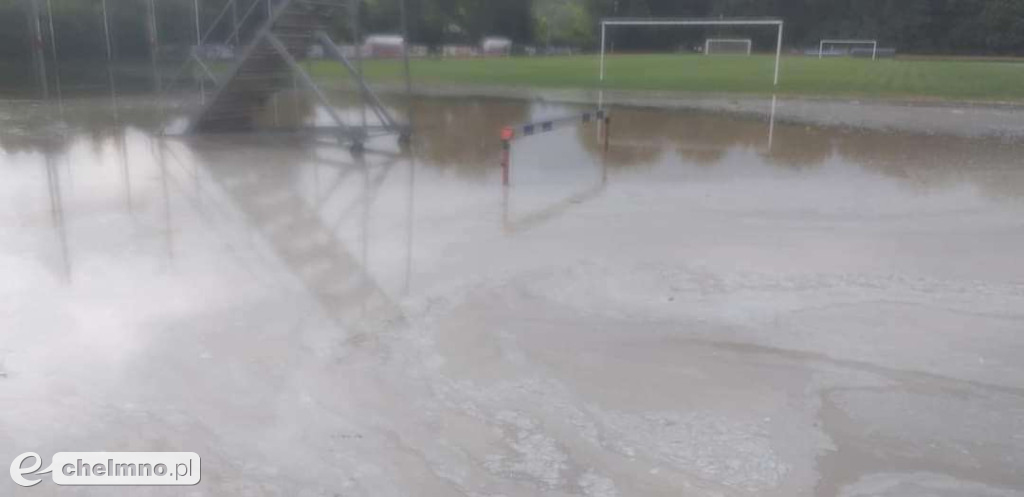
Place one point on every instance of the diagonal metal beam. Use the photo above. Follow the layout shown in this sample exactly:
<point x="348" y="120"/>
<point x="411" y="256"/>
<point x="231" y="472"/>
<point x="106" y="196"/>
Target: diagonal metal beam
<point x="205" y="68"/>
<point x="308" y="81"/>
<point x="376" y="104"/>
<point x="240" y="61"/>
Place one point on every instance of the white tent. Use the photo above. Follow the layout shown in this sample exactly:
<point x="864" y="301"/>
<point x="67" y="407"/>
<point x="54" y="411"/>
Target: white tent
<point x="382" y="45"/>
<point x="496" y="45"/>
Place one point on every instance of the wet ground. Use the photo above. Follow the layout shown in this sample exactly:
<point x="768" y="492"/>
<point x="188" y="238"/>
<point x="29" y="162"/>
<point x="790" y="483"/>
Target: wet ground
<point x="717" y="306"/>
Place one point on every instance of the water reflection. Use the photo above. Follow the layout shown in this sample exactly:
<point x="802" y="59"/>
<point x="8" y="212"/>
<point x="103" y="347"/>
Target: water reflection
<point x="649" y="137"/>
<point x="459" y="135"/>
<point x="56" y="195"/>
<point x="311" y="204"/>
<point x="462" y="135"/>
<point x="315" y="204"/>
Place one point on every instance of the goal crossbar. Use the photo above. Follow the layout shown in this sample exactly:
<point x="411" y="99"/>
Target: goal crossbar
<point x="669" y="21"/>
<point x="873" y="43"/>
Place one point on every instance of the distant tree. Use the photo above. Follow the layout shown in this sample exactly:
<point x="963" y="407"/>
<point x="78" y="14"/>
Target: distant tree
<point x="563" y="22"/>
<point x="1003" y="26"/>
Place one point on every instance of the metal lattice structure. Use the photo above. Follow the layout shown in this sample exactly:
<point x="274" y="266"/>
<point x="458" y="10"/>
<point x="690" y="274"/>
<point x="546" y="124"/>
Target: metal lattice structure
<point x="267" y="40"/>
<point x="269" y="63"/>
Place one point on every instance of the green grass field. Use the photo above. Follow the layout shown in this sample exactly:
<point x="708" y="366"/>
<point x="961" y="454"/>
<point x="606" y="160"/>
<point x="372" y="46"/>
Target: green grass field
<point x="917" y="79"/>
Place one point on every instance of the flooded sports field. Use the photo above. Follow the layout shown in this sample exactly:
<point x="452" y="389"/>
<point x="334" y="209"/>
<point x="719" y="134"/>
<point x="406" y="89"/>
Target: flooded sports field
<point x="716" y="305"/>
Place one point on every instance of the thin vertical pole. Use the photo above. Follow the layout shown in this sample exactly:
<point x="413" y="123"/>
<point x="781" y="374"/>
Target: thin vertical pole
<point x="106" y="30"/>
<point x="874" y="51"/>
<point x="234" y="21"/>
<point x="410" y="222"/>
<point x="359" y="57"/>
<point x="505" y="149"/>
<point x="154" y="44"/>
<point x="507" y="134"/>
<point x="199" y="33"/>
<point x="277" y="109"/>
<point x="38" y="57"/>
<point x="821" y="49"/>
<point x="57" y="212"/>
<point x="778" y="55"/>
<point x="607" y="132"/>
<point x="56" y="64"/>
<point x="604" y="28"/>
<point x="168" y="228"/>
<point x="405" y="46"/>
<point x="197" y="50"/>
<point x="110" y="58"/>
<point x="126" y="174"/>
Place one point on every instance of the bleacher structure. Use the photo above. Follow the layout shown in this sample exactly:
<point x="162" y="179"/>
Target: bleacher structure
<point x="270" y="62"/>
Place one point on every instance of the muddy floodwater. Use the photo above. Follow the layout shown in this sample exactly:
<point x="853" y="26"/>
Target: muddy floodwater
<point x="718" y="305"/>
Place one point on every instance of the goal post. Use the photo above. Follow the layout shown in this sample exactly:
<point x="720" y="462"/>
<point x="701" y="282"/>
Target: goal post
<point x="873" y="43"/>
<point x="744" y="45"/>
<point x="619" y="21"/>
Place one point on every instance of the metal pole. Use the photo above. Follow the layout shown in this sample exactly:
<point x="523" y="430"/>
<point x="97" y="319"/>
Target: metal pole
<point x="196" y="51"/>
<point x="874" y="51"/>
<point x="359" y="56"/>
<point x="405" y="46"/>
<point x="38" y="57"/>
<point x="607" y="132"/>
<point x="410" y="222"/>
<point x="106" y="30"/>
<point x="505" y="148"/>
<point x="778" y="55"/>
<point x="507" y="135"/>
<point x="154" y="44"/>
<point x="821" y="49"/>
<point x="110" y="58"/>
<point x="57" y="212"/>
<point x="277" y="109"/>
<point x="603" y="29"/>
<point x="56" y="64"/>
<point x="234" y="21"/>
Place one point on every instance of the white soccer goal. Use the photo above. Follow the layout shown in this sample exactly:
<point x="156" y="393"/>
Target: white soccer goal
<point x="833" y="43"/>
<point x="728" y="46"/>
<point x="605" y="23"/>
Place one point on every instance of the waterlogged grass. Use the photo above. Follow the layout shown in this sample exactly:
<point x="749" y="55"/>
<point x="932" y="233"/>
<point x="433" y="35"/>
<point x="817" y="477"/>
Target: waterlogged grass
<point x="894" y="78"/>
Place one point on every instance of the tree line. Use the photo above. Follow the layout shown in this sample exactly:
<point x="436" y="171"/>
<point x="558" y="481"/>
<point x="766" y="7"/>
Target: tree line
<point x="990" y="27"/>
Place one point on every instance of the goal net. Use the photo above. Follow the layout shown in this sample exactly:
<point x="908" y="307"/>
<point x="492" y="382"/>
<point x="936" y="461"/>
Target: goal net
<point x="847" y="48"/>
<point x="688" y="39"/>
<point x="728" y="46"/>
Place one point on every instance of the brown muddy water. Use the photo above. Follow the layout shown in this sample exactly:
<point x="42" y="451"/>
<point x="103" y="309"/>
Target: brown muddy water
<point x="717" y="306"/>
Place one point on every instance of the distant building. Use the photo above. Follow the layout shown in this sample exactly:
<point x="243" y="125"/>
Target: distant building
<point x="496" y="46"/>
<point x="383" y="46"/>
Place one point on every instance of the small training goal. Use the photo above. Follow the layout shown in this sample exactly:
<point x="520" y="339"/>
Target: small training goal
<point x="728" y="46"/>
<point x="847" y="47"/>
